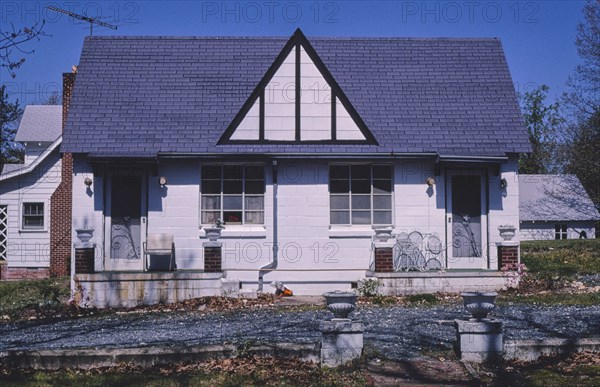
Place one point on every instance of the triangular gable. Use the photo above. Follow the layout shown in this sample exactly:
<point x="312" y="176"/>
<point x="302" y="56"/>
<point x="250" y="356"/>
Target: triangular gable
<point x="279" y="111"/>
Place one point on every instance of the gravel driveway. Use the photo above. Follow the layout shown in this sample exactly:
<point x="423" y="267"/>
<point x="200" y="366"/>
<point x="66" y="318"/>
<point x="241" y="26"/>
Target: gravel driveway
<point x="395" y="332"/>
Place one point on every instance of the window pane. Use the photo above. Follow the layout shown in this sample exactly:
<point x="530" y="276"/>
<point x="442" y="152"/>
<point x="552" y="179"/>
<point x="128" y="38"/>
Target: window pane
<point x="382" y="202"/>
<point x="34" y="222"/>
<point x="255" y="202"/>
<point x="382" y="217"/>
<point x="361" y="186"/>
<point x="211" y="202"/>
<point x="255" y="217"/>
<point x="361" y="217"/>
<point x="339" y="202"/>
<point x="382" y="172"/>
<point x="209" y="217"/>
<point x="255" y="187"/>
<point x="256" y="172"/>
<point x="232" y="172"/>
<point x="232" y="217"/>
<point x="339" y="172"/>
<point x="339" y="186"/>
<point x="232" y="187"/>
<point x="340" y="217"/>
<point x="361" y="172"/>
<point x="211" y="172"/>
<point x="361" y="202"/>
<point x="564" y="228"/>
<point x="211" y="186"/>
<point x="382" y="186"/>
<point x="232" y="202"/>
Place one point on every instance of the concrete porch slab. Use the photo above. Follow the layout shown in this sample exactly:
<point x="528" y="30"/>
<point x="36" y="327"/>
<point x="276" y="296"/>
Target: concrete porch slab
<point x="417" y="282"/>
<point x="129" y="289"/>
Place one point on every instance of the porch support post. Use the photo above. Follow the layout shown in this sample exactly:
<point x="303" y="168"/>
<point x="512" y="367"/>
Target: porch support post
<point x="212" y="257"/>
<point x="508" y="254"/>
<point x="384" y="256"/>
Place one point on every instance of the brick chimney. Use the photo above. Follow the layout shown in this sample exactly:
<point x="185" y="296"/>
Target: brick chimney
<point x="61" y="202"/>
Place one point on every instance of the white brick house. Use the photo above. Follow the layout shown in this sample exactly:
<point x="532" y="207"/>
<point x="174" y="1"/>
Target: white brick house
<point x="303" y="147"/>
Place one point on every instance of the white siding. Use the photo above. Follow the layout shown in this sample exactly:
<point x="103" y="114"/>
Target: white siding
<point x="248" y="128"/>
<point x="315" y="107"/>
<point x="175" y="209"/>
<point x="33" y="150"/>
<point x="280" y="97"/>
<point x="30" y="248"/>
<point x="504" y="205"/>
<point x="313" y="255"/>
<point x="315" y="101"/>
<point x="88" y="206"/>
<point x="530" y="231"/>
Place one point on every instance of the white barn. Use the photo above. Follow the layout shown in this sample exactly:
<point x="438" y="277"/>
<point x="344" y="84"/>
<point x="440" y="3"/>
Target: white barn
<point x="555" y="207"/>
<point x="302" y="147"/>
<point x="25" y="193"/>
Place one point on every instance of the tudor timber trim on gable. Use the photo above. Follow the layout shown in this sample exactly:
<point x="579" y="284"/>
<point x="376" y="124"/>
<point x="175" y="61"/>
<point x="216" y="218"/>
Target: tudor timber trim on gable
<point x="338" y="105"/>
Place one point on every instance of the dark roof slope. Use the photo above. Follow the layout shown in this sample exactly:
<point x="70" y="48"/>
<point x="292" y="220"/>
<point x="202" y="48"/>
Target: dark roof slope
<point x="554" y="198"/>
<point x="145" y="95"/>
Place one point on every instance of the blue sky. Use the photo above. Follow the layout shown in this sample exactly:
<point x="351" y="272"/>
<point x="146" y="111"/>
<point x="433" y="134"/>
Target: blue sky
<point x="538" y="36"/>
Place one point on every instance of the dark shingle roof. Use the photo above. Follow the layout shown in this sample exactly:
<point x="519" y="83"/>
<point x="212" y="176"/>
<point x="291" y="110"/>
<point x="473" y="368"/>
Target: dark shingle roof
<point x="146" y="95"/>
<point x="554" y="198"/>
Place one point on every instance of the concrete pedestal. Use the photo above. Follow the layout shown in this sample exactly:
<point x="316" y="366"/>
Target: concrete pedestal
<point x="480" y="340"/>
<point x="342" y="341"/>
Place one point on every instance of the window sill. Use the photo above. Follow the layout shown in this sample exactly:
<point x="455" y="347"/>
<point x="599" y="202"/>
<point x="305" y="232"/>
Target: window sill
<point x="239" y="231"/>
<point x="351" y="231"/>
<point x="32" y="231"/>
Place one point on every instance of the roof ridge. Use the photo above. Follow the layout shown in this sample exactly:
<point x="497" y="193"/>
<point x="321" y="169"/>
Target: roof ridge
<point x="245" y="37"/>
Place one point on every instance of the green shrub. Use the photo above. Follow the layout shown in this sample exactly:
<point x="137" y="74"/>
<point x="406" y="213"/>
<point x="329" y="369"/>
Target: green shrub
<point x="368" y="287"/>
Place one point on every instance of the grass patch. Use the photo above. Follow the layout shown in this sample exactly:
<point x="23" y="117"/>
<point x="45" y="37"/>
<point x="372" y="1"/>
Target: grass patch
<point x="422" y="299"/>
<point x="251" y="371"/>
<point x="550" y="298"/>
<point x="562" y="257"/>
<point x="18" y="295"/>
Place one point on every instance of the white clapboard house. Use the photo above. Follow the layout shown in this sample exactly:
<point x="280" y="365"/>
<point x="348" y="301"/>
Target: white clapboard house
<point x="25" y="195"/>
<point x="555" y="207"/>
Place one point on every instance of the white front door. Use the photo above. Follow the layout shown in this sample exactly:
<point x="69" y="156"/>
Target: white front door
<point x="466" y="218"/>
<point x="125" y="228"/>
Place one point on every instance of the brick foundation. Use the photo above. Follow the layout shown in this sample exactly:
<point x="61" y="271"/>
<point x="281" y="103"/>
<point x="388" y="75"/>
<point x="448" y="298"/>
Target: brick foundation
<point x="61" y="201"/>
<point x="84" y="261"/>
<point x="212" y="259"/>
<point x="23" y="273"/>
<point x="384" y="260"/>
<point x="508" y="255"/>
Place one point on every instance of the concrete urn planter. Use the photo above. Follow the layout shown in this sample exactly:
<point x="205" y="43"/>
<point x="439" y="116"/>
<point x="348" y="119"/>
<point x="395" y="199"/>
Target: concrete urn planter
<point x="341" y="304"/>
<point x="213" y="233"/>
<point x="507" y="232"/>
<point x="383" y="234"/>
<point x="85" y="234"/>
<point x="479" y="304"/>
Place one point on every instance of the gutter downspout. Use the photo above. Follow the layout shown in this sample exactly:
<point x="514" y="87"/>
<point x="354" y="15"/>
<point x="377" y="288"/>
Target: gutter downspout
<point x="273" y="264"/>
